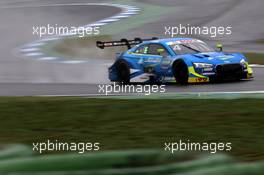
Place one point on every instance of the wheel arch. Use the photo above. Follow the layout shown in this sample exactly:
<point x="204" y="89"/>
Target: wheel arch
<point x="180" y="63"/>
<point x="178" y="60"/>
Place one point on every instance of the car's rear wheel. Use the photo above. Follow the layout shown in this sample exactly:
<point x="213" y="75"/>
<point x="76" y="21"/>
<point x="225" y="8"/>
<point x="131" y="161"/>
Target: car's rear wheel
<point x="180" y="72"/>
<point x="123" y="72"/>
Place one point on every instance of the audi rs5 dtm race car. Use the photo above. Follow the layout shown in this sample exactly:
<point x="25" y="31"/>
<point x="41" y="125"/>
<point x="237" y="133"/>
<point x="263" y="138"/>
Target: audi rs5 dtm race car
<point x="184" y="60"/>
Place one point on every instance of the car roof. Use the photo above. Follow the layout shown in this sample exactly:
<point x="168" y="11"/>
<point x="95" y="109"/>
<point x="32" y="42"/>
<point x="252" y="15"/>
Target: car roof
<point x="165" y="40"/>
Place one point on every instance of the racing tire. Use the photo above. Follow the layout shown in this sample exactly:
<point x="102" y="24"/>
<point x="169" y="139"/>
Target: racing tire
<point x="180" y="72"/>
<point x="123" y="72"/>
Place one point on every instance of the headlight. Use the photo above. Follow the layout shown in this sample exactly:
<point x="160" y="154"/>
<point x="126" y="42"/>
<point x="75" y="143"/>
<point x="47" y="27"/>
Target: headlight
<point x="202" y="65"/>
<point x="243" y="63"/>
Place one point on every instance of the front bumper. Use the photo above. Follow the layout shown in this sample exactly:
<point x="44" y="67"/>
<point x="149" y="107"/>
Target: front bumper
<point x="221" y="73"/>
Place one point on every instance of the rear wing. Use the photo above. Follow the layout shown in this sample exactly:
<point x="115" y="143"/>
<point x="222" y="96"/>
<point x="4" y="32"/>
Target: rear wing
<point x="122" y="42"/>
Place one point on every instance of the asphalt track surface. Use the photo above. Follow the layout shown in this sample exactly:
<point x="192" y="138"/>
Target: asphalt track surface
<point x="26" y="77"/>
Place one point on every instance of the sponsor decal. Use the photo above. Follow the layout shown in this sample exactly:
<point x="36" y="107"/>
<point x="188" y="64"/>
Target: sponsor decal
<point x="200" y="79"/>
<point x="151" y="60"/>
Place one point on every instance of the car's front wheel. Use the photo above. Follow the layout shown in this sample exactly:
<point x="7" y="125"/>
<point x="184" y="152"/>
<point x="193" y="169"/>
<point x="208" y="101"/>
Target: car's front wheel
<point x="123" y="72"/>
<point x="180" y="72"/>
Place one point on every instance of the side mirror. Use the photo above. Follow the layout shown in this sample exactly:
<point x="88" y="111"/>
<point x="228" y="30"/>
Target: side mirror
<point x="219" y="46"/>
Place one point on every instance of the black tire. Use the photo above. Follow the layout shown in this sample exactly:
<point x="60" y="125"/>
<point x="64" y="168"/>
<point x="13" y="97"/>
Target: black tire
<point x="180" y="72"/>
<point x="123" y="72"/>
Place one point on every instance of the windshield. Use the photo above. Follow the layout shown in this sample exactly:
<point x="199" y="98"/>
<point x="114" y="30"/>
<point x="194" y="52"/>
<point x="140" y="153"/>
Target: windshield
<point x="189" y="47"/>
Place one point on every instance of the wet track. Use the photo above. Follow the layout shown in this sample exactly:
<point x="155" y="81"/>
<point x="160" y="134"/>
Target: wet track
<point x="20" y="76"/>
<point x="78" y="89"/>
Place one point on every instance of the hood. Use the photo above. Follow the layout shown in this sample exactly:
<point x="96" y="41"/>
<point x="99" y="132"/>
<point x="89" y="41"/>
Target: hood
<point x="215" y="57"/>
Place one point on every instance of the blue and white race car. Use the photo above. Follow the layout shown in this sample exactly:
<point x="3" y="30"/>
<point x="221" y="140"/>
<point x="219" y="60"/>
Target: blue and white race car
<point x="184" y="60"/>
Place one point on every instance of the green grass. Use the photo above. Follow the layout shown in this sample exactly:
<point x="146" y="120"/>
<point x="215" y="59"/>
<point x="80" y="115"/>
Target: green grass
<point x="126" y="124"/>
<point x="255" y="58"/>
<point x="85" y="47"/>
<point x="260" y="41"/>
<point x="149" y="13"/>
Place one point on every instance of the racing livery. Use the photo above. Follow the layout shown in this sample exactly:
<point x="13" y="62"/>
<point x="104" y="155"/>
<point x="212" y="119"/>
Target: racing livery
<point x="184" y="60"/>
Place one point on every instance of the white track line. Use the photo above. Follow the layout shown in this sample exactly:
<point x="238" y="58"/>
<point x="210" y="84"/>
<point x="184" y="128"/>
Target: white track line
<point x="30" y="49"/>
<point x="168" y="93"/>
<point x="48" y="58"/>
<point x="33" y="49"/>
<point x="256" y="65"/>
<point x="223" y="92"/>
<point x="33" y="54"/>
